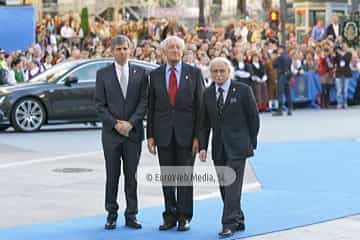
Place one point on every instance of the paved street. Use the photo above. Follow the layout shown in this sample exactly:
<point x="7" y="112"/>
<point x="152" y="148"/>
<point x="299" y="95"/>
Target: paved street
<point x="58" y="173"/>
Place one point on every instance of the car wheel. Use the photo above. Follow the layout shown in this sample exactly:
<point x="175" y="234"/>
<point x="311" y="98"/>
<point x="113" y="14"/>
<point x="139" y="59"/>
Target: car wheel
<point x="28" y="115"/>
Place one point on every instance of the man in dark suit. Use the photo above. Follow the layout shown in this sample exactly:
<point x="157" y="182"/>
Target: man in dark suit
<point x="229" y="110"/>
<point x="282" y="64"/>
<point x="333" y="29"/>
<point x="173" y="126"/>
<point x="121" y="100"/>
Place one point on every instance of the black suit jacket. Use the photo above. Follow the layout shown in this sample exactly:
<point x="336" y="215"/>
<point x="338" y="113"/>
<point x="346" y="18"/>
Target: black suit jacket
<point x="237" y="129"/>
<point x="111" y="104"/>
<point x="282" y="63"/>
<point x="343" y="71"/>
<point x="330" y="31"/>
<point x="183" y="119"/>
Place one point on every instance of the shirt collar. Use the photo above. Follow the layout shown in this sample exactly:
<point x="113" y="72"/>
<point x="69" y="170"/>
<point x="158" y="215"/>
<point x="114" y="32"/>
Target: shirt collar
<point x="119" y="67"/>
<point x="225" y="86"/>
<point x="177" y="67"/>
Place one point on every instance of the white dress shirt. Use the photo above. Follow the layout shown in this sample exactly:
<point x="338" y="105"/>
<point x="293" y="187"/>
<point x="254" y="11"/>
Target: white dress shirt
<point x="178" y="69"/>
<point x="336" y="29"/>
<point x="122" y="72"/>
<point x="225" y="86"/>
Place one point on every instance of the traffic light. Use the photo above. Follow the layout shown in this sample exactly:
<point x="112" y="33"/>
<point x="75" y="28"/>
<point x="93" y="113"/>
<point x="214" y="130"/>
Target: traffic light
<point x="274" y="20"/>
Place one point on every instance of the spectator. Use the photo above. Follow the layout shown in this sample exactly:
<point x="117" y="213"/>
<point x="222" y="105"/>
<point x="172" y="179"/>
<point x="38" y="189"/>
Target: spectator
<point x="318" y="31"/>
<point x="3" y="68"/>
<point x="333" y="29"/>
<point x="33" y="70"/>
<point x="242" y="69"/>
<point x="48" y="62"/>
<point x="16" y="74"/>
<point x="343" y="75"/>
<point x="67" y="33"/>
<point x="259" y="79"/>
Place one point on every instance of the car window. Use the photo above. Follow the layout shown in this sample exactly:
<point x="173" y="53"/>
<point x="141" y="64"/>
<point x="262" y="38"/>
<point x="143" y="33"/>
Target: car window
<point x="53" y="73"/>
<point x="88" y="72"/>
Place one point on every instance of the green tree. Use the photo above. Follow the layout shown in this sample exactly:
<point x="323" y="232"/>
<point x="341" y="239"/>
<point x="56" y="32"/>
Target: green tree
<point x="85" y="21"/>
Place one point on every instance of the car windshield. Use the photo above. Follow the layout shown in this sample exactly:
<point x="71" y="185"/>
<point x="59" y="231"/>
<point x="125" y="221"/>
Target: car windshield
<point x="53" y="73"/>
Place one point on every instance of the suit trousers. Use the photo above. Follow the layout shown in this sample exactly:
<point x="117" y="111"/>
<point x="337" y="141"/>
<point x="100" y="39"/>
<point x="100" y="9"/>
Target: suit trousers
<point x="129" y="152"/>
<point x="283" y="87"/>
<point x="231" y="194"/>
<point x="178" y="199"/>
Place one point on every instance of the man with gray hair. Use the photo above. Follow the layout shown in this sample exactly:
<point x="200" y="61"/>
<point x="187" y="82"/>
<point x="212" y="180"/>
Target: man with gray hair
<point x="121" y="101"/>
<point x="229" y="110"/>
<point x="173" y="126"/>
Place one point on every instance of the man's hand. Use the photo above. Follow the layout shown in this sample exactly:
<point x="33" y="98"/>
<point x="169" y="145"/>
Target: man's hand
<point x="151" y="145"/>
<point x="123" y="127"/>
<point x="202" y="155"/>
<point x="195" y="146"/>
<point x="119" y="127"/>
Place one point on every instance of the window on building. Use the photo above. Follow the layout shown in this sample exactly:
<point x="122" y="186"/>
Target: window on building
<point x="167" y="3"/>
<point x="300" y="35"/>
<point x="315" y="15"/>
<point x="300" y="17"/>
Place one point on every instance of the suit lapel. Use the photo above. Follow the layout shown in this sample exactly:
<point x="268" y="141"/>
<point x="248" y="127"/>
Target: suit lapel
<point x="131" y="81"/>
<point x="183" y="81"/>
<point x="183" y="76"/>
<point x="230" y="94"/>
<point x="212" y="100"/>
<point x="162" y="76"/>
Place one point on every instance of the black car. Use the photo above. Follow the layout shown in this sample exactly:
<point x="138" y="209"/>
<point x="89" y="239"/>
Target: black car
<point x="61" y="94"/>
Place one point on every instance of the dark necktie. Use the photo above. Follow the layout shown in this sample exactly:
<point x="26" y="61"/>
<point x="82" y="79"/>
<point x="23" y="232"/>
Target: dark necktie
<point x="220" y="101"/>
<point x="172" y="86"/>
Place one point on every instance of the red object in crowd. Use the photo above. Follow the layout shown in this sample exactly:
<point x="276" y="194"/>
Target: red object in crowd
<point x="292" y="81"/>
<point x="300" y="11"/>
<point x="248" y="59"/>
<point x="262" y="106"/>
<point x="322" y="66"/>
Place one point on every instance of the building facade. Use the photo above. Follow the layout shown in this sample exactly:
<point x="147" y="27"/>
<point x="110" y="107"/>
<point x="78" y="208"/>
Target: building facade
<point x="308" y="12"/>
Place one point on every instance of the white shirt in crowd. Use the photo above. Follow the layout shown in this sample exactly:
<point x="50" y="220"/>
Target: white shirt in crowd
<point x="67" y="32"/>
<point x="47" y="65"/>
<point x="11" y="77"/>
<point x="296" y="67"/>
<point x="243" y="32"/>
<point x="336" y="29"/>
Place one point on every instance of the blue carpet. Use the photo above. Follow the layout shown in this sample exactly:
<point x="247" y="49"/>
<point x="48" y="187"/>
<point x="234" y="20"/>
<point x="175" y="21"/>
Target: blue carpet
<point x="303" y="183"/>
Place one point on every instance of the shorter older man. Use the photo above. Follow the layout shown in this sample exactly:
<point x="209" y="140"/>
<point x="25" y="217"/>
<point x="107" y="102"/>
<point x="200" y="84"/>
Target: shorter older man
<point x="229" y="110"/>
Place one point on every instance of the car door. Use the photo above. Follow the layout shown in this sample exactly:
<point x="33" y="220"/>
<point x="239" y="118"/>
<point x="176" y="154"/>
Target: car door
<point x="76" y="101"/>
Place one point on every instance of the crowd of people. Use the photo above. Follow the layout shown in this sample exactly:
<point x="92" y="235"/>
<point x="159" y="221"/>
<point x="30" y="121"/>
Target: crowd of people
<point x="251" y="46"/>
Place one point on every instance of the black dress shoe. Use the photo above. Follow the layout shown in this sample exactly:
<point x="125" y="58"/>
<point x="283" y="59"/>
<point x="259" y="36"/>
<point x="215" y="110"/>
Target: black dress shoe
<point x="240" y="227"/>
<point x="167" y="225"/>
<point x="226" y="232"/>
<point x="133" y="223"/>
<point x="184" y="225"/>
<point x="109" y="225"/>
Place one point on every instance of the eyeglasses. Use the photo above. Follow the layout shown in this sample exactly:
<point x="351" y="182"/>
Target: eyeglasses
<point x="218" y="71"/>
